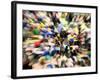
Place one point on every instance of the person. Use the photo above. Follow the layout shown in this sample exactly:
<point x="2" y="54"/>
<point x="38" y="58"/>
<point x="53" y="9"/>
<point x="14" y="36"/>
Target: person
<point x="69" y="62"/>
<point x="27" y="59"/>
<point x="40" y="64"/>
<point x="59" y="26"/>
<point x="36" y="31"/>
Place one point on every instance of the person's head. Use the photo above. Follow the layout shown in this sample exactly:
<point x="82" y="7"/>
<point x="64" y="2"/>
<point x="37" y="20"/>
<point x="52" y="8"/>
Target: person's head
<point x="25" y="59"/>
<point x="71" y="48"/>
<point x="28" y="52"/>
<point x="42" y="60"/>
<point x="89" y="46"/>
<point x="87" y="61"/>
<point x="71" y="41"/>
<point x="58" y="21"/>
<point x="45" y="40"/>
<point x="81" y="63"/>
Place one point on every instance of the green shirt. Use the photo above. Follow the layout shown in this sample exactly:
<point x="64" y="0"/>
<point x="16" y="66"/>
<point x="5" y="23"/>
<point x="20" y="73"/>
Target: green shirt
<point x="36" y="32"/>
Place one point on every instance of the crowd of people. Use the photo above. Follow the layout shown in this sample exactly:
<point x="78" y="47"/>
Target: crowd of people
<point x="56" y="39"/>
